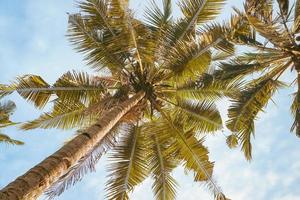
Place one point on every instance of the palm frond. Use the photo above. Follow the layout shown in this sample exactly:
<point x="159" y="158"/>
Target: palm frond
<point x="240" y="30"/>
<point x="295" y="109"/>
<point x="159" y="21"/>
<point x="144" y="43"/>
<point x="72" y="86"/>
<point x="161" y="165"/>
<point x="283" y="6"/>
<point x="128" y="167"/>
<point x="158" y="18"/>
<point x="297" y="9"/>
<point x="232" y="141"/>
<point x="195" y="13"/>
<point x="64" y="116"/>
<point x="220" y="56"/>
<point x="296" y="24"/>
<point x="263" y="10"/>
<point x="207" y="87"/>
<point x="201" y="116"/>
<point x="200" y="11"/>
<point x="272" y="32"/>
<point x="99" y="52"/>
<point x="98" y="14"/>
<point x="32" y="88"/>
<point x="132" y="27"/>
<point x="6" y="139"/>
<point x="245" y="108"/>
<point x="88" y="88"/>
<point x="194" y="155"/>
<point x="188" y="60"/>
<point x="6" y="109"/>
<point x="216" y="36"/>
<point x="248" y="64"/>
<point x="5" y="90"/>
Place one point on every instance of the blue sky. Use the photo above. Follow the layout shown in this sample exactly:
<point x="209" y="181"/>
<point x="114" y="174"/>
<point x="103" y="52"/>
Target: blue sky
<point x="32" y="39"/>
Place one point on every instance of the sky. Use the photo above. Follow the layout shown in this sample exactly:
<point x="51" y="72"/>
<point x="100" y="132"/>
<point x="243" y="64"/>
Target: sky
<point x="32" y="38"/>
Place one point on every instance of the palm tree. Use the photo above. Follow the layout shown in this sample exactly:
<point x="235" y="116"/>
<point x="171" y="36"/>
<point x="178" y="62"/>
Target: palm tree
<point x="267" y="61"/>
<point x="6" y="109"/>
<point x="150" y="107"/>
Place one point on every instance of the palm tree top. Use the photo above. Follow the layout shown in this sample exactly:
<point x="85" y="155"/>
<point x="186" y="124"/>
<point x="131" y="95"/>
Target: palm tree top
<point x="270" y="29"/>
<point x="168" y="62"/>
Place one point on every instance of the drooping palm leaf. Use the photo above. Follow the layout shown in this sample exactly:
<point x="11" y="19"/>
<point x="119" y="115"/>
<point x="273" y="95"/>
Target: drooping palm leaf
<point x="194" y="157"/>
<point x="275" y="34"/>
<point x="127" y="167"/>
<point x="295" y="109"/>
<point x="6" y="139"/>
<point x="161" y="165"/>
<point x="245" y="108"/>
<point x="64" y="116"/>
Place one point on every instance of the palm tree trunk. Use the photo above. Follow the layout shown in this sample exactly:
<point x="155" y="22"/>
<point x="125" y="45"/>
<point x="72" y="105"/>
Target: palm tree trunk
<point x="32" y="184"/>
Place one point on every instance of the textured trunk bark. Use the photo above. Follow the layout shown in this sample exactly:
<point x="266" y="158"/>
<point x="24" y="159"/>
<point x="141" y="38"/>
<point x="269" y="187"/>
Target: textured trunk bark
<point x="32" y="184"/>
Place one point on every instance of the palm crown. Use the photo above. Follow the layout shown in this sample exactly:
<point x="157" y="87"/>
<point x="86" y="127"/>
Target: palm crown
<point x="168" y="62"/>
<point x="268" y="62"/>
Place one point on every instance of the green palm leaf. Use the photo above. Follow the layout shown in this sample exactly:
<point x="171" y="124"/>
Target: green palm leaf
<point x="246" y="106"/>
<point x="89" y="41"/>
<point x="83" y="87"/>
<point x="33" y="88"/>
<point x="200" y="11"/>
<point x="188" y="60"/>
<point x="200" y="116"/>
<point x="161" y="165"/>
<point x="194" y="157"/>
<point x="6" y="139"/>
<point x="158" y="18"/>
<point x="64" y="116"/>
<point x="72" y="86"/>
<point x="271" y="31"/>
<point x="127" y="167"/>
<point x="232" y="141"/>
<point x="207" y="87"/>
<point x="295" y="109"/>
<point x="216" y="36"/>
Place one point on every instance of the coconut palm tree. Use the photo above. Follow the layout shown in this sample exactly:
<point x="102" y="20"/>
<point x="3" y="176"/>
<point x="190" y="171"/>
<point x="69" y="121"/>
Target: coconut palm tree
<point x="6" y="109"/>
<point x="271" y="34"/>
<point x="149" y="103"/>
